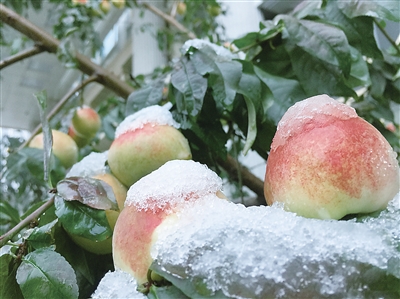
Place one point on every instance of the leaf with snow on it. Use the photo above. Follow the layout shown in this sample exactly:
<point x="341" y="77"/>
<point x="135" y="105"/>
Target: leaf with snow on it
<point x="89" y="191"/>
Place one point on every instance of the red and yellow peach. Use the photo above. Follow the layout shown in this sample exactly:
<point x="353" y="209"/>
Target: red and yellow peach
<point x="326" y="162"/>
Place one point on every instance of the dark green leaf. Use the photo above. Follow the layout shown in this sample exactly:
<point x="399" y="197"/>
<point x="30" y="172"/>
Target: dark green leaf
<point x="389" y="10"/>
<point x="42" y="236"/>
<point x="317" y="77"/>
<point x="144" y="97"/>
<point x="9" y="289"/>
<point x="8" y="214"/>
<point x="81" y="220"/>
<point x="27" y="165"/>
<point x="275" y="61"/>
<point x="224" y="75"/>
<point x="324" y="42"/>
<point x="308" y="8"/>
<point x="285" y="91"/>
<point x="359" y="74"/>
<point x="359" y="31"/>
<point x="89" y="268"/>
<point x="190" y="287"/>
<point x="89" y="191"/>
<point x="44" y="273"/>
<point x="167" y="292"/>
<point x="269" y="30"/>
<point x="191" y="85"/>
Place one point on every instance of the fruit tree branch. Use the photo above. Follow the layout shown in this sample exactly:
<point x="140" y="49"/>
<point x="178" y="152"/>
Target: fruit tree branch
<point x="21" y="55"/>
<point x="51" y="44"/>
<point x="170" y="20"/>
<point x="25" y="222"/>
<point x="248" y="179"/>
<point x="59" y="105"/>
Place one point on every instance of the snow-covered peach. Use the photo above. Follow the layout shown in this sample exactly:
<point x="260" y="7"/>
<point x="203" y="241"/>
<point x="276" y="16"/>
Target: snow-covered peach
<point x="327" y="162"/>
<point x="143" y="142"/>
<point x="153" y="204"/>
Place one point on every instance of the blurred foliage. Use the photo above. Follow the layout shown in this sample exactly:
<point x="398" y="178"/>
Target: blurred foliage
<point x="228" y="98"/>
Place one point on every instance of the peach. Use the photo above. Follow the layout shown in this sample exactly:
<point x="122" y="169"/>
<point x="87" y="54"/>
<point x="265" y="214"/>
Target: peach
<point x="94" y="166"/>
<point x="79" y="139"/>
<point x="105" y="6"/>
<point x="153" y="204"/>
<point x="118" y="3"/>
<point x="101" y="247"/>
<point x="64" y="147"/>
<point x="181" y="8"/>
<point x="143" y="142"/>
<point x="326" y="162"/>
<point x="86" y="122"/>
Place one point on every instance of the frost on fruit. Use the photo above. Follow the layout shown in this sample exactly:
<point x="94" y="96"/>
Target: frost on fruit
<point x="153" y="114"/>
<point x="117" y="284"/>
<point x="174" y="183"/>
<point x="266" y="252"/>
<point x="91" y="165"/>
<point x="303" y="115"/>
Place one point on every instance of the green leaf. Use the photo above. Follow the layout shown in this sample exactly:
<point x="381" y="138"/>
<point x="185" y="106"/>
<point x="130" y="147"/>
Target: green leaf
<point x="275" y="60"/>
<point x="191" y="85"/>
<point x="9" y="289"/>
<point x="252" y="125"/>
<point x="389" y="10"/>
<point x="166" y="292"/>
<point x="8" y="214"/>
<point x="317" y="77"/>
<point x="190" y="287"/>
<point x="144" y="97"/>
<point x="359" y="31"/>
<point x="82" y="220"/>
<point x="224" y="75"/>
<point x="47" y="136"/>
<point x="269" y="30"/>
<point x="89" y="191"/>
<point x="44" y="273"/>
<point x="324" y="42"/>
<point x="359" y="74"/>
<point x="42" y="236"/>
<point x="286" y="92"/>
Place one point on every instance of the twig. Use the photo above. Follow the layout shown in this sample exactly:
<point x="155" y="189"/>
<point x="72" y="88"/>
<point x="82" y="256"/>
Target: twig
<point x="387" y="36"/>
<point x="25" y="222"/>
<point x="237" y="170"/>
<point x="59" y="105"/>
<point x="170" y="20"/>
<point x="51" y="44"/>
<point x="21" y="55"/>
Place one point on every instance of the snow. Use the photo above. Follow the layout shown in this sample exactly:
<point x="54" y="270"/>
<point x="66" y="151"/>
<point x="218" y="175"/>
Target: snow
<point x="266" y="252"/>
<point x="223" y="54"/>
<point x="214" y="246"/>
<point x="304" y="113"/>
<point x="91" y="165"/>
<point x="155" y="114"/>
<point x="117" y="285"/>
<point x="174" y="183"/>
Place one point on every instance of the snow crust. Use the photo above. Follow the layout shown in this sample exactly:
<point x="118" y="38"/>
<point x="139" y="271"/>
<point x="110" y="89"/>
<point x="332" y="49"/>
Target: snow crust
<point x="174" y="183"/>
<point x="266" y="252"/>
<point x="117" y="284"/>
<point x="155" y="114"/>
<point x="298" y="116"/>
<point x="91" y="165"/>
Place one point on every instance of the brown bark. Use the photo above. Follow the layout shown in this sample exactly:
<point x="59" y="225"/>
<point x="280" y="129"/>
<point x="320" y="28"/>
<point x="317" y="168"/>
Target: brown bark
<point x="51" y="44"/>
